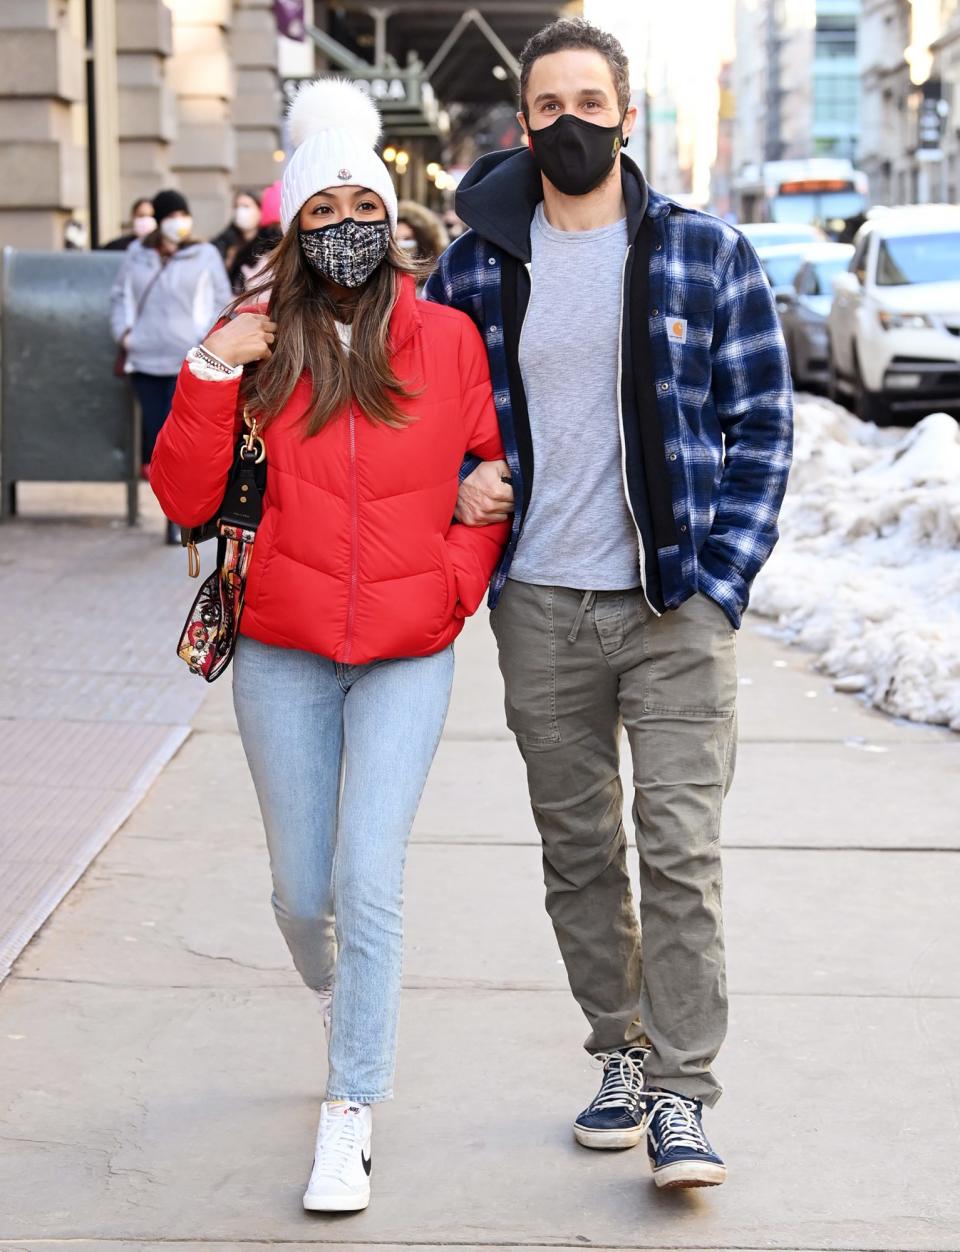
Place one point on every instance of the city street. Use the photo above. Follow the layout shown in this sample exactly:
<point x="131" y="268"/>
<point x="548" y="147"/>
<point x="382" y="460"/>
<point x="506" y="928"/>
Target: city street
<point x="661" y="222"/>
<point x="160" y="1063"/>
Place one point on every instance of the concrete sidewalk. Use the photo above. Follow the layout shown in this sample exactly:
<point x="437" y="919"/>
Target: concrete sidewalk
<point x="92" y="698"/>
<point x="160" y="1065"/>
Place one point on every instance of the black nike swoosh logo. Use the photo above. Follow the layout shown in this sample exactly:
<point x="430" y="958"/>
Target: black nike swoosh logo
<point x="367" y="1162"/>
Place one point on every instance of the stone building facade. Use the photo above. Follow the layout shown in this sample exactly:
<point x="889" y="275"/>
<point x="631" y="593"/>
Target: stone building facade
<point x="795" y="80"/>
<point x="910" y="49"/>
<point x="946" y="70"/>
<point x="106" y="100"/>
<point x="886" y="144"/>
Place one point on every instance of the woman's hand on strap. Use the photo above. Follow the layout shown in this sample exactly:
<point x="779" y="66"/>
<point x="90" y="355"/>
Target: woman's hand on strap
<point x="244" y="339"/>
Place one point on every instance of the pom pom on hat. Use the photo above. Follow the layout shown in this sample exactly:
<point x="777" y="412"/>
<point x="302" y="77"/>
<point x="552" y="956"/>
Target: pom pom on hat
<point x="334" y="104"/>
<point x="335" y="127"/>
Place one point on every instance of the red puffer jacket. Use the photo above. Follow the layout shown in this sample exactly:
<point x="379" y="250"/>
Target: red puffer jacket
<point x="356" y="557"/>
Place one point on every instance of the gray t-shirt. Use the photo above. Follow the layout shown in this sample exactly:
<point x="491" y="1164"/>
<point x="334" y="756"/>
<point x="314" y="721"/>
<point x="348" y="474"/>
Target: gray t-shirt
<point x="578" y="531"/>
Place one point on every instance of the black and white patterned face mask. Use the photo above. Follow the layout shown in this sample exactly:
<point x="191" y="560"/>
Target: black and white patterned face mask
<point x="347" y="252"/>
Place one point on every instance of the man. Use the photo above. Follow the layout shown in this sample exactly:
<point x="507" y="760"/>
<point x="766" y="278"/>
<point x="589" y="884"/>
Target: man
<point x="645" y="404"/>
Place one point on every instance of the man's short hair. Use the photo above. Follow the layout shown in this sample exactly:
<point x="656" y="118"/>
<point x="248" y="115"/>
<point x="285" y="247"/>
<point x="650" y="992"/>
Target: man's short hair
<point x="576" y="32"/>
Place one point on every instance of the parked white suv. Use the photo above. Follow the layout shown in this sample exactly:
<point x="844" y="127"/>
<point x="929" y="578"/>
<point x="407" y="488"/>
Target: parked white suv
<point x="894" y="324"/>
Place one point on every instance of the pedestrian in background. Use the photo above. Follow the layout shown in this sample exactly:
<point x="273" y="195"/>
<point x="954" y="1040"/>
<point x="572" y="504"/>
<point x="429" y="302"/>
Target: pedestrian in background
<point x="368" y="400"/>
<point x="454" y="226"/>
<point x="74" y="235"/>
<point x="238" y="235"/>
<point x="420" y="232"/>
<point x="168" y="293"/>
<point x="250" y="258"/>
<point x="142" y="223"/>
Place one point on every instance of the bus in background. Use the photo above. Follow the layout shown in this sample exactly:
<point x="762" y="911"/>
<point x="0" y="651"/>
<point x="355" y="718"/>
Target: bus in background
<point x="825" y="192"/>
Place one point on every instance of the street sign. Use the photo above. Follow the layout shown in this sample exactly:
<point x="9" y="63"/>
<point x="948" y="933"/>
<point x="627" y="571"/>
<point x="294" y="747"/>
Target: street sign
<point x="405" y="100"/>
<point x="932" y="110"/>
<point x="383" y="88"/>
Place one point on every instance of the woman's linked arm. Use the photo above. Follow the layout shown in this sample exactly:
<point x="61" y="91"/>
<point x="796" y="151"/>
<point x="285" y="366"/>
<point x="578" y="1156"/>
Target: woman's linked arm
<point x="476" y="550"/>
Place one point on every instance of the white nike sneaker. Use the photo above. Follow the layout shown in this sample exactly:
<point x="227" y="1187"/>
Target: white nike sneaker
<point x="340" y="1181"/>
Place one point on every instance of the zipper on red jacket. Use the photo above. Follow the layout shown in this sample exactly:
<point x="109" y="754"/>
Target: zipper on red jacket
<point x="354" y="538"/>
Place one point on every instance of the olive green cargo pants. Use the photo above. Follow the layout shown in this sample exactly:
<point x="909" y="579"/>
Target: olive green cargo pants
<point x="578" y="668"/>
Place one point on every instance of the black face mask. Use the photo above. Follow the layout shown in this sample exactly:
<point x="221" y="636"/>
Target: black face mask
<point x="576" y="156"/>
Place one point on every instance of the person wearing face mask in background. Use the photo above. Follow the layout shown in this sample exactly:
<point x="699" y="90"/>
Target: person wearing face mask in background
<point x="452" y="224"/>
<point x="368" y="400"/>
<point x="421" y="233"/>
<point x="169" y="291"/>
<point x="251" y="258"/>
<point x="646" y="411"/>
<point x="235" y="240"/>
<point x="142" y="223"/>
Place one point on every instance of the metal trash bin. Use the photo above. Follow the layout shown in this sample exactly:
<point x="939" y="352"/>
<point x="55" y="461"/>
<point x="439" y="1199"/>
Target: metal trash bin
<point x="64" y="416"/>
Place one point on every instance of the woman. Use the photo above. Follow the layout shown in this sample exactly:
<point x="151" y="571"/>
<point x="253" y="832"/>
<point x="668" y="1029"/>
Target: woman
<point x="142" y="223"/>
<point x="420" y="232"/>
<point x="368" y="401"/>
<point x="235" y="241"/>
<point x="168" y="293"/>
<point x="251" y="258"/>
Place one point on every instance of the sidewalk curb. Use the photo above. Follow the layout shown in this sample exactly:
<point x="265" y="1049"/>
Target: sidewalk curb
<point x="63" y="877"/>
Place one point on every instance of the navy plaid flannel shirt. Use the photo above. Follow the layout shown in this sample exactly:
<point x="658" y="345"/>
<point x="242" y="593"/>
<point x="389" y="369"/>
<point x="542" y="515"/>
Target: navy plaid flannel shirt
<point x="723" y="389"/>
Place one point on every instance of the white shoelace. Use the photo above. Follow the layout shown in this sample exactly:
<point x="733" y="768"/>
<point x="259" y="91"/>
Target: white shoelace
<point x="337" y="1143"/>
<point x="622" y="1078"/>
<point x="679" y="1127"/>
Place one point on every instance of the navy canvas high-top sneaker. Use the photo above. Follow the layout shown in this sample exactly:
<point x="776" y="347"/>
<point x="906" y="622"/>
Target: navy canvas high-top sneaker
<point x="680" y="1153"/>
<point x="614" y="1117"/>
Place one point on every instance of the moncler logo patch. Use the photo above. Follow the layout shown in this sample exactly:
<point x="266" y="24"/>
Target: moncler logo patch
<point x="677" y="329"/>
<point x="343" y="175"/>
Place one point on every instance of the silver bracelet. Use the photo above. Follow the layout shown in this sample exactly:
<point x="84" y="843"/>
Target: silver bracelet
<point x="209" y="358"/>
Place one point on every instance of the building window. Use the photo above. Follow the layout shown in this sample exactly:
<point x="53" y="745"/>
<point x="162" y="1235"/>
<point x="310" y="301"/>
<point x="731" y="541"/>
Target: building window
<point x="835" y="37"/>
<point x="836" y="100"/>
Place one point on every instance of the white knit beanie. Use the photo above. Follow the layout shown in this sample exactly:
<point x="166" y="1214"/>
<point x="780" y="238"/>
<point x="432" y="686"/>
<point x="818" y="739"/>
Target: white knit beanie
<point x="334" y="127"/>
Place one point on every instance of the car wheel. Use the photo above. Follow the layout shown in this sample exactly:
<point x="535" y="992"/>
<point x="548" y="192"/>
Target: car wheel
<point x="869" y="406"/>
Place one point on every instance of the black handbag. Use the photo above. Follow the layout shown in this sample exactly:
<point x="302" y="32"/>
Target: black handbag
<point x="209" y="635"/>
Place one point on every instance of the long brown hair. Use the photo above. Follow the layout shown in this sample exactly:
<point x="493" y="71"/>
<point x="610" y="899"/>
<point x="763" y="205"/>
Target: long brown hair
<point x="301" y="303"/>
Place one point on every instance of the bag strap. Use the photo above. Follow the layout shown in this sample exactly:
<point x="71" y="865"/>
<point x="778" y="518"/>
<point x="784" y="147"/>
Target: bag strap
<point x="242" y="503"/>
<point x="146" y="291"/>
<point x="210" y="632"/>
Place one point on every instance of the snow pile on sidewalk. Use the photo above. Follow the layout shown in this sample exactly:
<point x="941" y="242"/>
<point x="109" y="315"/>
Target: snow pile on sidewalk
<point x="867" y="570"/>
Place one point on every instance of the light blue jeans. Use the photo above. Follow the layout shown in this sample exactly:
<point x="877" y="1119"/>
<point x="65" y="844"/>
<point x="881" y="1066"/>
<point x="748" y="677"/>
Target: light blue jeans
<point x="339" y="756"/>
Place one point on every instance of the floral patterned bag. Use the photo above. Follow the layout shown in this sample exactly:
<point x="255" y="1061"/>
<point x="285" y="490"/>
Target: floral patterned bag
<point x="209" y="634"/>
